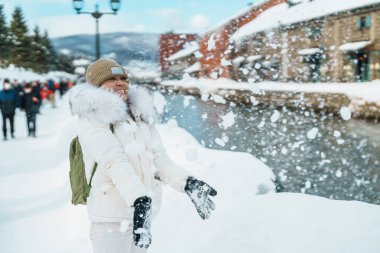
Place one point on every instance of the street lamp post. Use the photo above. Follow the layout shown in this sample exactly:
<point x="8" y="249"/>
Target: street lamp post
<point x="115" y="6"/>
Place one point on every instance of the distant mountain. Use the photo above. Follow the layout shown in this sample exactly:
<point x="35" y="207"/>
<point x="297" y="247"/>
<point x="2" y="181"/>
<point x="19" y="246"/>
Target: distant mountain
<point x="124" y="47"/>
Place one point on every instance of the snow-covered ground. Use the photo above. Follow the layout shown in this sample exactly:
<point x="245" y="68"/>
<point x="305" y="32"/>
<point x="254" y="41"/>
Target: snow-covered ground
<point x="36" y="214"/>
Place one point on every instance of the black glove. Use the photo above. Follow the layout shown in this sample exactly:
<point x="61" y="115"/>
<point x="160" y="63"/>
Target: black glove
<point x="199" y="192"/>
<point x="142" y="221"/>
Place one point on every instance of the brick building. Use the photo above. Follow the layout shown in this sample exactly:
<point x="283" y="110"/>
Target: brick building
<point x="216" y="45"/>
<point x="170" y="44"/>
<point x="185" y="61"/>
<point x="336" y="44"/>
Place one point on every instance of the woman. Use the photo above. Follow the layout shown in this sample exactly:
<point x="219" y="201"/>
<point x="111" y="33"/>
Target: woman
<point x="117" y="131"/>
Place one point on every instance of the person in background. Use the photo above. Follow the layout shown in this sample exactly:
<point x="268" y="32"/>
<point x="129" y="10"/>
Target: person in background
<point x="44" y="92"/>
<point x="117" y="130"/>
<point x="36" y="89"/>
<point x="30" y="103"/>
<point x="18" y="89"/>
<point x="51" y="95"/>
<point x="62" y="87"/>
<point x="8" y="107"/>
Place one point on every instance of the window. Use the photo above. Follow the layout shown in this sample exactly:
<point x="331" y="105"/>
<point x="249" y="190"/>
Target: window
<point x="364" y="22"/>
<point x="313" y="32"/>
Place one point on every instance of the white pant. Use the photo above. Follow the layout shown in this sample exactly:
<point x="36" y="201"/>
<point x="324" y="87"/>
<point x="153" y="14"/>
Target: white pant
<point x="109" y="237"/>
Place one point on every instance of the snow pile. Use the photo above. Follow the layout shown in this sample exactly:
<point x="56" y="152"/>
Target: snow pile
<point x="271" y="223"/>
<point x="283" y="15"/>
<point x="22" y="74"/>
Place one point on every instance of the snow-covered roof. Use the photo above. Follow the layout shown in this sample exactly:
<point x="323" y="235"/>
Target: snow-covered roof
<point x="309" y="51"/>
<point x="282" y="14"/>
<point x="188" y="50"/>
<point x="236" y="15"/>
<point x="193" y="68"/>
<point x="253" y="58"/>
<point x="353" y="46"/>
<point x="238" y="60"/>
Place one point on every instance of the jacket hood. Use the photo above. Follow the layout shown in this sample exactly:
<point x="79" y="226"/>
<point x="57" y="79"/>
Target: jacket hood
<point x="102" y="105"/>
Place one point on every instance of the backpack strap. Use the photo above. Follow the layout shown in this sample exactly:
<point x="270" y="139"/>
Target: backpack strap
<point x="96" y="165"/>
<point x="92" y="173"/>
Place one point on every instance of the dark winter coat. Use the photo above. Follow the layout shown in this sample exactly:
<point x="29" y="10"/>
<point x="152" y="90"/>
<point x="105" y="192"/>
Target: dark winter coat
<point x="18" y="93"/>
<point x="27" y="103"/>
<point x="8" y="101"/>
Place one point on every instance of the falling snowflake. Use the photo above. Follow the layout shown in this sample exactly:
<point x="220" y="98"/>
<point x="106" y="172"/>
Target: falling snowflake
<point x="336" y="134"/>
<point x="225" y="62"/>
<point x="218" y="99"/>
<point x="345" y="113"/>
<point x="228" y="120"/>
<point x="159" y="102"/>
<point x="198" y="55"/>
<point x="214" y="75"/>
<point x="275" y="116"/>
<point x="253" y="100"/>
<point x="220" y="142"/>
<point x="312" y="133"/>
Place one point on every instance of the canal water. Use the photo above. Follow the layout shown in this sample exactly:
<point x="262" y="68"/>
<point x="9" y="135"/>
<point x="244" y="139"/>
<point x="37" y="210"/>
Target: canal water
<point x="312" y="153"/>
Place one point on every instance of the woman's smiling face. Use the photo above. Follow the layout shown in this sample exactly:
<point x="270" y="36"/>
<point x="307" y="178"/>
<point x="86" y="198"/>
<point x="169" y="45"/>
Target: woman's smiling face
<point x="117" y="84"/>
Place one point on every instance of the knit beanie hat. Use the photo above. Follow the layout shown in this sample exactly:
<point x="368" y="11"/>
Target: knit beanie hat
<point x="103" y="70"/>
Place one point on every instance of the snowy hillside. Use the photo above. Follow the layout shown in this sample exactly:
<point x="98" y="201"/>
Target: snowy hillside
<point x="123" y="46"/>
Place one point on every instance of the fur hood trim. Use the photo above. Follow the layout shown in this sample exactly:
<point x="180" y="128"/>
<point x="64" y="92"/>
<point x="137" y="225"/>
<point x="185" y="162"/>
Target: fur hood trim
<point x="102" y="105"/>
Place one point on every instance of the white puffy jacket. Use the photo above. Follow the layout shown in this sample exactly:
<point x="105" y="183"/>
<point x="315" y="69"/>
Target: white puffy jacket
<point x="132" y="161"/>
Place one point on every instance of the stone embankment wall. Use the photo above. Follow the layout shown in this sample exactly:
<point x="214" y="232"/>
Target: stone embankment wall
<point x="319" y="102"/>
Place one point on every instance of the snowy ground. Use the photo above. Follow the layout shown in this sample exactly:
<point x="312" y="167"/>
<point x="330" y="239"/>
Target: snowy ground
<point x="36" y="215"/>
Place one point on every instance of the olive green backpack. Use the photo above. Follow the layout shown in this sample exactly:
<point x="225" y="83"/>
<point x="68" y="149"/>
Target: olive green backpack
<point x="80" y="189"/>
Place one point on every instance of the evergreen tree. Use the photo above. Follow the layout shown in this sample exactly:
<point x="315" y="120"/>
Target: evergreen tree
<point x="4" y="40"/>
<point x="20" y="43"/>
<point x="39" y="53"/>
<point x="52" y="58"/>
<point x="65" y="63"/>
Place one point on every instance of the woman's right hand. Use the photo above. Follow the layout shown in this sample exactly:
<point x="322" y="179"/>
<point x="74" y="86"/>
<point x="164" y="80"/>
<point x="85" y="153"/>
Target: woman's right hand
<point x="142" y="235"/>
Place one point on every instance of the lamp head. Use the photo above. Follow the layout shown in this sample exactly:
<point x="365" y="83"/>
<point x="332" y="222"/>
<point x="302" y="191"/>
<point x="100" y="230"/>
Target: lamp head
<point x="78" y="5"/>
<point x="115" y="5"/>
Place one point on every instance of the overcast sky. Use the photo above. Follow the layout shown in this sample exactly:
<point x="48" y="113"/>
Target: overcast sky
<point x="59" y="19"/>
